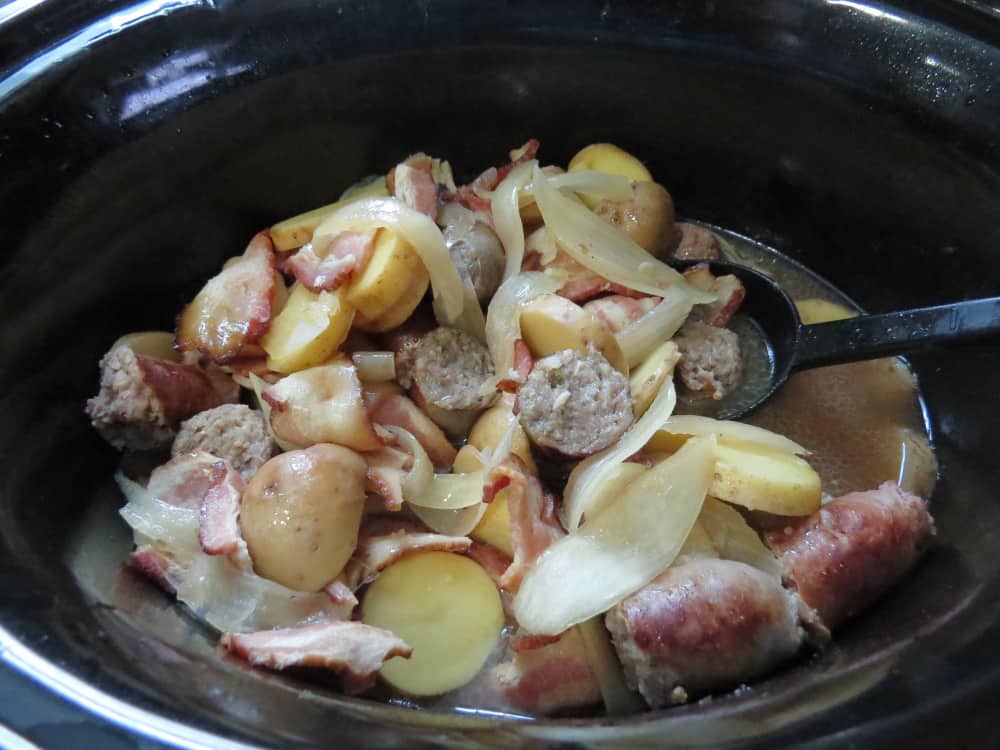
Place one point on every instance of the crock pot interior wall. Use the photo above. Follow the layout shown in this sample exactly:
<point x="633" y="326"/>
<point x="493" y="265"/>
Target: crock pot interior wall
<point x="130" y="170"/>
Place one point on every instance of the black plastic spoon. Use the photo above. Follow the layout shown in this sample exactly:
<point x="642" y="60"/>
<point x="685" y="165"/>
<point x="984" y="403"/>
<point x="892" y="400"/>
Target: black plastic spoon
<point x="792" y="345"/>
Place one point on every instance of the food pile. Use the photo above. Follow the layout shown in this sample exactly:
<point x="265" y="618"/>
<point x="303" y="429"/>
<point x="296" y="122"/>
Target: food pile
<point x="426" y="435"/>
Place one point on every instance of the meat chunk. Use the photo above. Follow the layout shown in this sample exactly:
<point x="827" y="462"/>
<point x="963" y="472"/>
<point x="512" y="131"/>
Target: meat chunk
<point x="647" y="217"/>
<point x="618" y="311"/>
<point x="711" y="363"/>
<point x="451" y="370"/>
<point x="412" y="181"/>
<point x="553" y="677"/>
<point x="474" y="247"/>
<point x="696" y="243"/>
<point x="332" y="262"/>
<point x="852" y="549"/>
<point x="142" y="399"/>
<point x="394" y="409"/>
<point x="233" y="310"/>
<point x="354" y="649"/>
<point x="218" y="519"/>
<point x="232" y="431"/>
<point x="575" y="403"/>
<point x="184" y="480"/>
<point x="703" y="626"/>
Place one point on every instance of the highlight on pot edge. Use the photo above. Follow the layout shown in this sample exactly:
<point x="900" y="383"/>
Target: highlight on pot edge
<point x="496" y="494"/>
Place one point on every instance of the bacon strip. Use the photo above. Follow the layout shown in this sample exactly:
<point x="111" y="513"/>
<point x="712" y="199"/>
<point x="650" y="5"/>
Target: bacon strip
<point x="414" y="185"/>
<point x="729" y="290"/>
<point x="523" y="365"/>
<point x="400" y="411"/>
<point x="382" y="542"/>
<point x="581" y="283"/>
<point x="233" y="310"/>
<point x="470" y="195"/>
<point x="490" y="559"/>
<point x="334" y="263"/>
<point x="354" y="649"/>
<point x="386" y="469"/>
<point x="156" y="565"/>
<point x="218" y="527"/>
<point x="533" y="522"/>
<point x="184" y="480"/>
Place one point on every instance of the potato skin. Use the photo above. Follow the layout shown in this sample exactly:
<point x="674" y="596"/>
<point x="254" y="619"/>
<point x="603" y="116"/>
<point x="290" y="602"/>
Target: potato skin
<point x="647" y="217"/>
<point x="301" y="512"/>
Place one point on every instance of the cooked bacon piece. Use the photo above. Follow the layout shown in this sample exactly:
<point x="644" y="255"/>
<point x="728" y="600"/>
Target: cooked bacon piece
<point x="552" y="676"/>
<point x="354" y="649"/>
<point x="702" y="626"/>
<point x="696" y="243"/>
<point x="142" y="400"/>
<point x="523" y="364"/>
<point x="852" y="549"/>
<point x="728" y="289"/>
<point x="218" y="521"/>
<point x="412" y="182"/>
<point x="470" y="195"/>
<point x="233" y="310"/>
<point x="528" y="642"/>
<point x="402" y="412"/>
<point x="341" y="594"/>
<point x="381" y="542"/>
<point x="581" y="283"/>
<point x="618" y="311"/>
<point x="184" y="480"/>
<point x="156" y="565"/>
<point x="525" y="153"/>
<point x="533" y="522"/>
<point x="335" y="262"/>
<point x="386" y="469"/>
<point x="490" y="559"/>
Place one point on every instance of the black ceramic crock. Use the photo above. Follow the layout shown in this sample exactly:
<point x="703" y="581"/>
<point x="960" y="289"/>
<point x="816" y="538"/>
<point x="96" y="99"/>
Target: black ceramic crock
<point x="141" y="143"/>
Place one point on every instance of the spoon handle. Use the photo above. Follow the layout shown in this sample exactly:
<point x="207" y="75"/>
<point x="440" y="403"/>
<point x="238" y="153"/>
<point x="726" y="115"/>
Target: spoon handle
<point x="873" y="336"/>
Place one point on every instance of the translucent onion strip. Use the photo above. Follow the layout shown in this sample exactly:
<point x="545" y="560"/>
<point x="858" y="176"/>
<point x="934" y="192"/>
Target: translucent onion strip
<point x="729" y="431"/>
<point x="584" y="485"/>
<point x="420" y="231"/>
<point x="620" y="549"/>
<point x="732" y="536"/>
<point x="503" y="317"/>
<point x="654" y="328"/>
<point x="604" y="663"/>
<point x="599" y="185"/>
<point x="450" y="522"/>
<point x="507" y="215"/>
<point x="375" y="367"/>
<point x="602" y="248"/>
<point x="450" y="491"/>
<point x="420" y="474"/>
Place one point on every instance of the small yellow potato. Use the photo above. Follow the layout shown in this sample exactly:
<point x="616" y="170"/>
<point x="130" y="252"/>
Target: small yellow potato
<point x="309" y="328"/>
<point x="550" y="324"/>
<point x="154" y="344"/>
<point x="647" y="217"/>
<point x="300" y="515"/>
<point x="815" y="310"/>
<point x="647" y="379"/>
<point x="322" y="404"/>
<point x="491" y="426"/>
<point x="494" y="527"/>
<point x="446" y="608"/>
<point x="298" y="230"/>
<point x="608" y="158"/>
<point x="761" y="479"/>
<point x="392" y="284"/>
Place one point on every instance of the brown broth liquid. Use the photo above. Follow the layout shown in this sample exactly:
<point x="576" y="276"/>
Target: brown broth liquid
<point x="863" y="422"/>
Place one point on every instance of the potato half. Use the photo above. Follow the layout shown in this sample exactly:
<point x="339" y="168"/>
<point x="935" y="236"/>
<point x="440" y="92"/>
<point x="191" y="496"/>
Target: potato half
<point x="550" y="324"/>
<point x="447" y="609"/>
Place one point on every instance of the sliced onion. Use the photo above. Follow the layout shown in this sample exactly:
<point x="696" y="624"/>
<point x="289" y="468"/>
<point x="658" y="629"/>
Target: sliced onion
<point x="606" y="666"/>
<point x="621" y="549"/>
<point x="375" y="367"/>
<point x="584" y="485"/>
<point x="471" y="319"/>
<point x="503" y="317"/>
<point x="421" y="473"/>
<point x="169" y="525"/>
<point x="729" y="431"/>
<point x="592" y="183"/>
<point x="732" y="536"/>
<point x="613" y="486"/>
<point x="602" y="248"/>
<point x="658" y="325"/>
<point x="420" y="231"/>
<point x="507" y="215"/>
<point x="451" y="522"/>
<point x="260" y="385"/>
<point x="450" y="491"/>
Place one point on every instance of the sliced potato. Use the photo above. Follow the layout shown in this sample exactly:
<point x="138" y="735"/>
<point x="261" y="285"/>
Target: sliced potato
<point x="298" y="230"/>
<point x="446" y="608"/>
<point x="646" y="380"/>
<point x="309" y="328"/>
<point x="300" y="515"/>
<point x="815" y="310"/>
<point x="154" y="344"/>
<point x="608" y="158"/>
<point x="491" y="426"/>
<point x="391" y="286"/>
<point x="550" y="324"/>
<point x="762" y="479"/>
